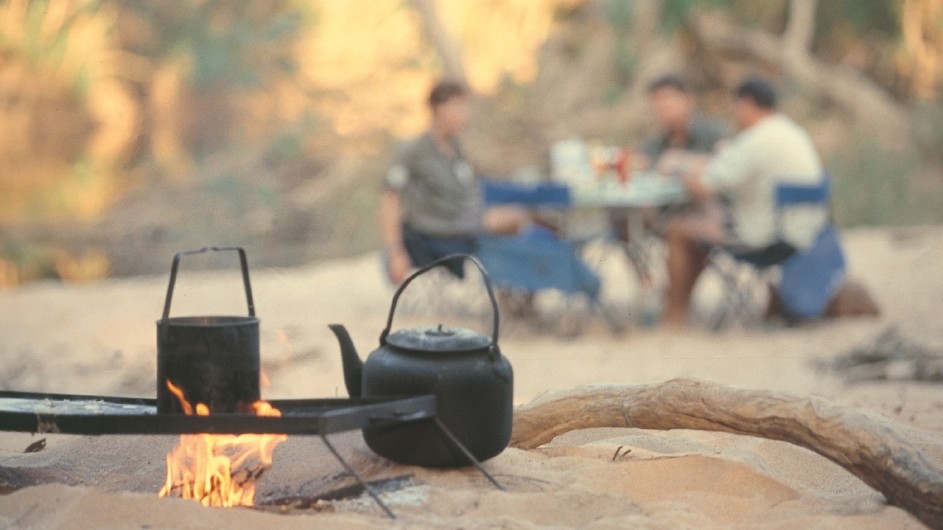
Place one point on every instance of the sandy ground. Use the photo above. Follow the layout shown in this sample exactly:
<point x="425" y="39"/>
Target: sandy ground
<point x="100" y="339"/>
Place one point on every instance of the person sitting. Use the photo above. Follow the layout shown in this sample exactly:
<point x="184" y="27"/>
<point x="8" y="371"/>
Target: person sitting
<point x="430" y="206"/>
<point x="680" y="127"/>
<point x="682" y="133"/>
<point x="769" y="149"/>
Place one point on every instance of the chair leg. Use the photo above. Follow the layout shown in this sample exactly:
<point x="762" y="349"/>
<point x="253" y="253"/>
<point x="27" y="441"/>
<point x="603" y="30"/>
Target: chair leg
<point x="572" y="321"/>
<point x="745" y="305"/>
<point x="557" y="313"/>
<point x="599" y="260"/>
<point x="616" y="327"/>
<point x="726" y="310"/>
<point x="439" y="292"/>
<point x="737" y="304"/>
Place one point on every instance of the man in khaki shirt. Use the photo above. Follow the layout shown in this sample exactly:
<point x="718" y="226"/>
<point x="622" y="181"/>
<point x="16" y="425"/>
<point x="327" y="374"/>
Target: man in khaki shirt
<point x="431" y="205"/>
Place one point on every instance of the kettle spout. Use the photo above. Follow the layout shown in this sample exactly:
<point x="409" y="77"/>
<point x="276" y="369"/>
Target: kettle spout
<point x="353" y="366"/>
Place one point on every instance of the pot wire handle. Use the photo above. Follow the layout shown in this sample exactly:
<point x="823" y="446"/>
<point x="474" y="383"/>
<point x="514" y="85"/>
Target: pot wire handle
<point x="243" y="262"/>
<point x="484" y="276"/>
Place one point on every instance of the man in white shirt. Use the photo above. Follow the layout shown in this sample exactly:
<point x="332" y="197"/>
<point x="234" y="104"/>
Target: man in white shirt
<point x="770" y="149"/>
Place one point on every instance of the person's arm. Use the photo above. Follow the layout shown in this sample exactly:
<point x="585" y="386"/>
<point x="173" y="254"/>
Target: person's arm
<point x="726" y="170"/>
<point x="694" y="182"/>
<point x="689" y="167"/>
<point x="391" y="232"/>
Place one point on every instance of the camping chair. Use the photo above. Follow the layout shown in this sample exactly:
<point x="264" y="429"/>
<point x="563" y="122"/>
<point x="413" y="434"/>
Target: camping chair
<point x="538" y="260"/>
<point x="495" y="193"/>
<point x="442" y="291"/>
<point x="532" y="263"/>
<point x="807" y="279"/>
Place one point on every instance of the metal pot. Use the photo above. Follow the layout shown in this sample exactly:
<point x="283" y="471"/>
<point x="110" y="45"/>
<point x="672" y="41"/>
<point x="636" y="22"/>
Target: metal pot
<point x="213" y="359"/>
<point x="471" y="379"/>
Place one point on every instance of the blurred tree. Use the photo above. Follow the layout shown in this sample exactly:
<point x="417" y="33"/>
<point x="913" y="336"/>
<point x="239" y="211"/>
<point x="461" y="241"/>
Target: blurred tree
<point x="57" y="65"/>
<point x="239" y="42"/>
<point x="448" y="50"/>
<point x="217" y="70"/>
<point x="922" y="27"/>
<point x="800" y="27"/>
<point x="499" y="40"/>
<point x="293" y="98"/>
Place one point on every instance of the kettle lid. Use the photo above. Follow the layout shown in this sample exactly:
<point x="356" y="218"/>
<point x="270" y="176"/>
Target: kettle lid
<point x="438" y="339"/>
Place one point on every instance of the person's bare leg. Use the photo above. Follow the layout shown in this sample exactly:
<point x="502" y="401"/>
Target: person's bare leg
<point x="685" y="263"/>
<point x="687" y="258"/>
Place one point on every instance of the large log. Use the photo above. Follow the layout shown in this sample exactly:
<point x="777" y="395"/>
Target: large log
<point x="868" y="447"/>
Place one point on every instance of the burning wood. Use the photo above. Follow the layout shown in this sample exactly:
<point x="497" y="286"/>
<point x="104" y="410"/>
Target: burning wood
<point x="219" y="469"/>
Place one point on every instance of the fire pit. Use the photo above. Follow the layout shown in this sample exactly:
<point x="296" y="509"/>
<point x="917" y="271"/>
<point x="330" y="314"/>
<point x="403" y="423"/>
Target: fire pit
<point x="109" y="415"/>
<point x="106" y="415"/>
<point x="80" y="414"/>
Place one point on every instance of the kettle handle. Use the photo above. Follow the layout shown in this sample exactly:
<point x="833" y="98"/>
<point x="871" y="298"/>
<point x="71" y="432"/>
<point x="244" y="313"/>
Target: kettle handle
<point x="243" y="262"/>
<point x="484" y="276"/>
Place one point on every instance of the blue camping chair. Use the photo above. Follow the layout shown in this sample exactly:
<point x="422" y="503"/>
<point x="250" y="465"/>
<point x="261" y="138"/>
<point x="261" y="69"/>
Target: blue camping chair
<point x="537" y="260"/>
<point x="439" y="288"/>
<point x="544" y="194"/>
<point x="808" y="278"/>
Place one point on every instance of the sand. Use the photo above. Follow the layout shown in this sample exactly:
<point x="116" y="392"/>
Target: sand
<point x="100" y="338"/>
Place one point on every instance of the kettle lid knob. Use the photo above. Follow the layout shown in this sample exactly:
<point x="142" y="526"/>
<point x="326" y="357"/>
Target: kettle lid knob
<point x="438" y="339"/>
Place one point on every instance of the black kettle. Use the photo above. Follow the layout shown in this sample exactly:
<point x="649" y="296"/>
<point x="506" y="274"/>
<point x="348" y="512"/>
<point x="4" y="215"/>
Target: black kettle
<point x="472" y="381"/>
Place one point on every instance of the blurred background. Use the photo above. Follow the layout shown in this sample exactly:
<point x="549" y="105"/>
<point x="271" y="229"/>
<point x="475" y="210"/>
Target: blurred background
<point x="132" y="129"/>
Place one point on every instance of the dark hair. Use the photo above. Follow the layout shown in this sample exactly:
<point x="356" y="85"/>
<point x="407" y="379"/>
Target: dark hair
<point x="758" y="90"/>
<point x="444" y="91"/>
<point x="674" y="81"/>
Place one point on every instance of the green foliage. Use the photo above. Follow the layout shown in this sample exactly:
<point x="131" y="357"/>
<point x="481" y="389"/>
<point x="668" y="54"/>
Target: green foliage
<point x="620" y="14"/>
<point x="233" y="43"/>
<point x="43" y="44"/>
<point x="875" y="185"/>
<point x="675" y="12"/>
<point x="865" y="16"/>
<point x="33" y="261"/>
<point x="237" y="193"/>
<point x="928" y="131"/>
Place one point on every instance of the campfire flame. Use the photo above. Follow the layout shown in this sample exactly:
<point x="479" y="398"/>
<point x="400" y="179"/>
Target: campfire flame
<point x="219" y="469"/>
